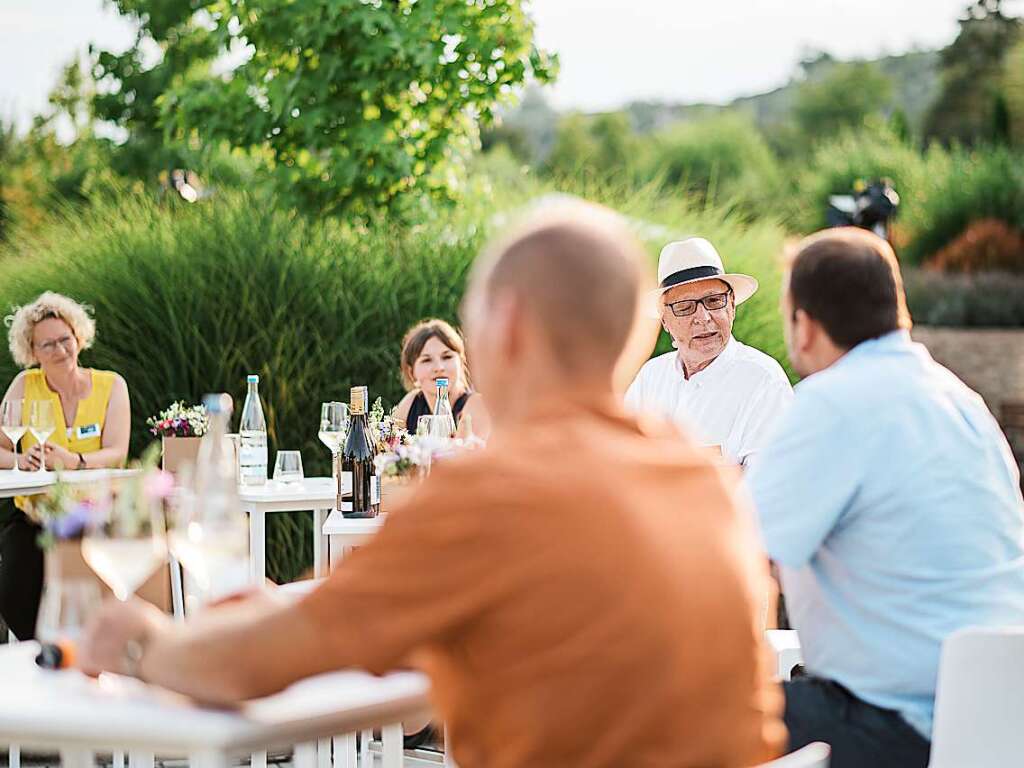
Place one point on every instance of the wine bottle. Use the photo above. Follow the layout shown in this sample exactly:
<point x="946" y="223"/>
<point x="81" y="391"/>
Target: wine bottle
<point x="443" y="408"/>
<point x="358" y="484"/>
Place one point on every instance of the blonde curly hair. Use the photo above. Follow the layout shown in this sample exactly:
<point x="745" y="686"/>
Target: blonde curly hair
<point x="22" y="322"/>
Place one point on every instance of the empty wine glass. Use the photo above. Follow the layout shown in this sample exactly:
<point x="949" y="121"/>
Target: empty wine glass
<point x="11" y="424"/>
<point x="41" y="424"/>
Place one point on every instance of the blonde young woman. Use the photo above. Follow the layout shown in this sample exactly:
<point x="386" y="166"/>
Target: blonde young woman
<point x="93" y="420"/>
<point x="431" y="350"/>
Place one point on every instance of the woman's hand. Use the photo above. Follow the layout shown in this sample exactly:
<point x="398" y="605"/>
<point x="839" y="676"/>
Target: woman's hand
<point x="58" y="457"/>
<point x="32" y="459"/>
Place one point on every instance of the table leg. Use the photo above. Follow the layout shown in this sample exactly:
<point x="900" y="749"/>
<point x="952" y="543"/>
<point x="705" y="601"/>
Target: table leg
<point x="118" y="758"/>
<point x="323" y="753"/>
<point x="345" y="751"/>
<point x="320" y="546"/>
<point x="258" y="760"/>
<point x="14" y="756"/>
<point x="366" y="761"/>
<point x="258" y="544"/>
<point x="393" y="746"/>
<point x="140" y="759"/>
<point x="177" y="589"/>
<point x="305" y="755"/>
<point x="77" y="758"/>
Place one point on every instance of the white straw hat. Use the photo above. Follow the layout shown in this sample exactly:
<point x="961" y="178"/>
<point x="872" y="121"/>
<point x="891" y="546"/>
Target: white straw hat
<point x="693" y="259"/>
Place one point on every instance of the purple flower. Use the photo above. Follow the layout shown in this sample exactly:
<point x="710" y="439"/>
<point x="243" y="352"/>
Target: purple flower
<point x="74" y="522"/>
<point x="158" y="484"/>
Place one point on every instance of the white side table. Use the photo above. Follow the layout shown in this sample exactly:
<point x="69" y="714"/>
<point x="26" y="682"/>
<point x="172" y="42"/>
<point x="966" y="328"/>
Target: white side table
<point x="316" y="494"/>
<point x="344" y="533"/>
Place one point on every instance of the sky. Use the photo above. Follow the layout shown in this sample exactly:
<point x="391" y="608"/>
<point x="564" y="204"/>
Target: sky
<point x="611" y="51"/>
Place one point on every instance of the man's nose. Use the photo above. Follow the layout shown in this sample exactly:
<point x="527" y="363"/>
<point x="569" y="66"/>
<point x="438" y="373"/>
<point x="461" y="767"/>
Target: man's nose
<point x="701" y="315"/>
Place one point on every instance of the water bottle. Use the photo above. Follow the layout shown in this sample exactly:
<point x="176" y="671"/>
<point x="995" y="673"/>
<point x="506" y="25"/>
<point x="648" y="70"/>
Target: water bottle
<point x="443" y="408"/>
<point x="252" y="434"/>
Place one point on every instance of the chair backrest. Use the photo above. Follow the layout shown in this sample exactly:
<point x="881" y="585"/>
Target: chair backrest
<point x="814" y="755"/>
<point x="979" y="701"/>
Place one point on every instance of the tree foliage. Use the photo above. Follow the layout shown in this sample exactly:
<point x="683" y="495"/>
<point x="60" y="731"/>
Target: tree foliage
<point x="349" y="102"/>
<point x="970" y="107"/>
<point x="844" y="97"/>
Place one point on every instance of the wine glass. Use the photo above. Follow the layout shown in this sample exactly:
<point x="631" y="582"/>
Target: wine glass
<point x="125" y="543"/>
<point x="334" y="420"/>
<point x="11" y="424"/>
<point x="41" y="424"/>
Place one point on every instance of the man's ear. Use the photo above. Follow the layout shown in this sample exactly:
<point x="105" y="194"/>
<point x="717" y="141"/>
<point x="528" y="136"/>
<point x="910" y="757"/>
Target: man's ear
<point x="506" y="319"/>
<point x="805" y="331"/>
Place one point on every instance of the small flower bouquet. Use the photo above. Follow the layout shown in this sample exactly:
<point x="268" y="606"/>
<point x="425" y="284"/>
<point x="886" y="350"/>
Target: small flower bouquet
<point x="179" y="428"/>
<point x="180" y="420"/>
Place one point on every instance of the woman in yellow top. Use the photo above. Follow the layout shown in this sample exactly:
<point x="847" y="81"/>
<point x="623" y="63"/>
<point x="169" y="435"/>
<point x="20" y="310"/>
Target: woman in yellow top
<point x="93" y="420"/>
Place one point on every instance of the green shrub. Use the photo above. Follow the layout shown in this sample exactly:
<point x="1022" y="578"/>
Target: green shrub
<point x="190" y="299"/>
<point x="867" y="154"/>
<point x="984" y="299"/>
<point x="724" y="159"/>
<point x="974" y="184"/>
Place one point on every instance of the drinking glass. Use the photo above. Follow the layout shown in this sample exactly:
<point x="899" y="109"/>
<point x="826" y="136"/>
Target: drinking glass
<point x="288" y="467"/>
<point x="334" y="421"/>
<point x="41" y="424"/>
<point x="126" y="542"/>
<point x="435" y="427"/>
<point x="11" y="424"/>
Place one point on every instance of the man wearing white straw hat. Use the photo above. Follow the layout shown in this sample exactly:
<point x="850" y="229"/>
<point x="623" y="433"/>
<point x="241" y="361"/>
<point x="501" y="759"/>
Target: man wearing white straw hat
<point x="727" y="394"/>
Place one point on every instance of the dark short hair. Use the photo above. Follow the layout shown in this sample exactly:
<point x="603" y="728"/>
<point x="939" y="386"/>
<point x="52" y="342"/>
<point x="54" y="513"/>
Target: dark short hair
<point x="848" y="279"/>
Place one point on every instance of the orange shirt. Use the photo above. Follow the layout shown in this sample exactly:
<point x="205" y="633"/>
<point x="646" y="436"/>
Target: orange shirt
<point x="587" y="591"/>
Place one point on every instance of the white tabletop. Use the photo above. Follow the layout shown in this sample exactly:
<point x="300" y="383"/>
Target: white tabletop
<point x="339" y="525"/>
<point x="313" y="490"/>
<point x="26" y="483"/>
<point x="68" y="710"/>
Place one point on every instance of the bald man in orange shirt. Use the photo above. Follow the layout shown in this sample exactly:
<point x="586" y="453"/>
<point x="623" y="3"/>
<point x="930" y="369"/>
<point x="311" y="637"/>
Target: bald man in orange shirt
<point x="587" y="591"/>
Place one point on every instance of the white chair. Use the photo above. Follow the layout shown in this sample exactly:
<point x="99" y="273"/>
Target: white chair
<point x="979" y="701"/>
<point x="814" y="755"/>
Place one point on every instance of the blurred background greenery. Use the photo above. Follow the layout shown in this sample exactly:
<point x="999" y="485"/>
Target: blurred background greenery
<point x="293" y="217"/>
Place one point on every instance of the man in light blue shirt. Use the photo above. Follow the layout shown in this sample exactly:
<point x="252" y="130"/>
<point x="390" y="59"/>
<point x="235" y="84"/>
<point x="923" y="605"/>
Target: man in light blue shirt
<point x="891" y="502"/>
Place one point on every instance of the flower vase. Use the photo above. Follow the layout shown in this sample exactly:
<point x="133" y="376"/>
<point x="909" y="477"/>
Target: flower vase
<point x="178" y="452"/>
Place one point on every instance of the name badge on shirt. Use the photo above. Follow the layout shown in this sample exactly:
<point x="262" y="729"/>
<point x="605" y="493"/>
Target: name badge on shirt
<point x="87" y="431"/>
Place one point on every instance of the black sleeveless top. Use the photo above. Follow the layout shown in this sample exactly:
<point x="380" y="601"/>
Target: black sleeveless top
<point x="420" y="407"/>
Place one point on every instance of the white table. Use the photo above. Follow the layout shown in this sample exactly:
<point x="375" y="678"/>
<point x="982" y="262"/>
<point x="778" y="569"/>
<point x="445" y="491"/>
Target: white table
<point x="785" y="644"/>
<point x="68" y="712"/>
<point x="316" y="494"/>
<point x="27" y="483"/>
<point x="343" y="533"/>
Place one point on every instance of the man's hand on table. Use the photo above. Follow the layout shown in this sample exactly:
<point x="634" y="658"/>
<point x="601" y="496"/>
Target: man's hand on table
<point x="117" y="636"/>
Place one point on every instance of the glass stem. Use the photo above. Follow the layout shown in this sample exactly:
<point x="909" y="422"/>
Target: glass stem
<point x="42" y="457"/>
<point x="16" y="467"/>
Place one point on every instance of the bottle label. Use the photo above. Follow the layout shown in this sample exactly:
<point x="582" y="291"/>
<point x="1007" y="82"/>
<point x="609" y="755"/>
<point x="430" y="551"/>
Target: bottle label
<point x="345" y="492"/>
<point x="252" y="456"/>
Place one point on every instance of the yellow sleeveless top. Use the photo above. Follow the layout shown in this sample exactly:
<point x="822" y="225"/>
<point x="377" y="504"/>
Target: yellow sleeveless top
<point x="85" y="435"/>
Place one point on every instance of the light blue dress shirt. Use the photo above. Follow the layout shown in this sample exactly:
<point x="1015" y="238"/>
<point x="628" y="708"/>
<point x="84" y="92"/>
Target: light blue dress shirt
<point x="891" y="501"/>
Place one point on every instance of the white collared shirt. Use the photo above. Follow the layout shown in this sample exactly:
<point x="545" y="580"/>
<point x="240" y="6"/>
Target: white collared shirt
<point x="733" y="403"/>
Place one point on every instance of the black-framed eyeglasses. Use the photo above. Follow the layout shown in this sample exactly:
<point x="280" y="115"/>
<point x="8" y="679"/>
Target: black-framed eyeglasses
<point x="711" y="303"/>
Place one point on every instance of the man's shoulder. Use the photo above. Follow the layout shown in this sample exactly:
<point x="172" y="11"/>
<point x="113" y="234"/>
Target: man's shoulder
<point x="759" y="365"/>
<point x="658" y="366"/>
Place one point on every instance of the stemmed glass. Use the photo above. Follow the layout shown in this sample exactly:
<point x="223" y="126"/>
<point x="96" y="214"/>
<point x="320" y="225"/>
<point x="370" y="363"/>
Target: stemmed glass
<point x="41" y="424"/>
<point x="334" y="421"/>
<point x="11" y="424"/>
<point x="126" y="540"/>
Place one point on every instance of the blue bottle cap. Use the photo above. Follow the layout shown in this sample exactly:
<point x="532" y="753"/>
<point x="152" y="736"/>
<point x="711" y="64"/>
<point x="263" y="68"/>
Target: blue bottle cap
<point x="252" y="378"/>
<point x="442" y="382"/>
<point x="217" y="403"/>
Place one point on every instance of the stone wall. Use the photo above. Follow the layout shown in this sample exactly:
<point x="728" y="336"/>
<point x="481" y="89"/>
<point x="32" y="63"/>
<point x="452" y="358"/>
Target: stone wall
<point x="989" y="361"/>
